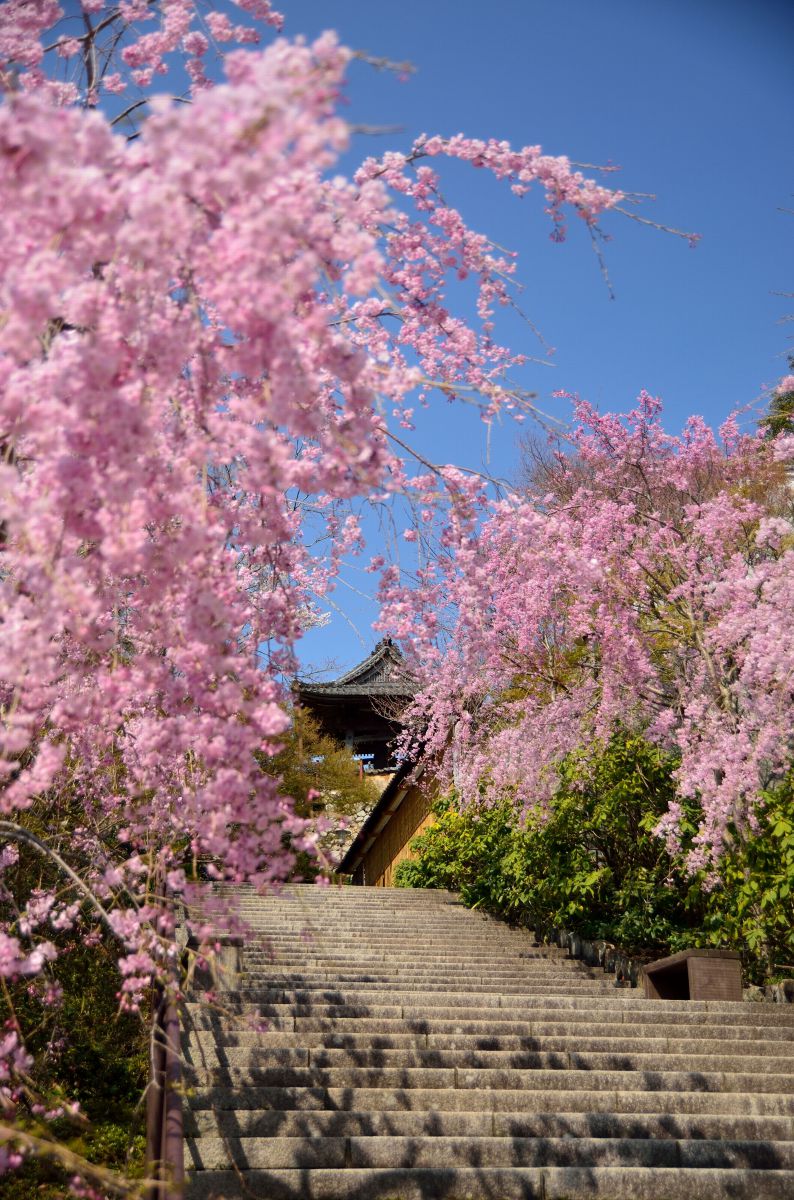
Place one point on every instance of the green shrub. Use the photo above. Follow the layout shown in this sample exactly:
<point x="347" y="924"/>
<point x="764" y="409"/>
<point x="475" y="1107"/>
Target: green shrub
<point x="591" y="862"/>
<point x="462" y="851"/>
<point x="752" y="905"/>
<point x="84" y="1050"/>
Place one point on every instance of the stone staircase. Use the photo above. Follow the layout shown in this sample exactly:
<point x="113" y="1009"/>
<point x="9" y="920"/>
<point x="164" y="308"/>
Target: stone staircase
<point x="415" y="1049"/>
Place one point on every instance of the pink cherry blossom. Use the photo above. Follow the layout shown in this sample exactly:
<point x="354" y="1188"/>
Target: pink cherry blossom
<point x="653" y="591"/>
<point x="210" y="337"/>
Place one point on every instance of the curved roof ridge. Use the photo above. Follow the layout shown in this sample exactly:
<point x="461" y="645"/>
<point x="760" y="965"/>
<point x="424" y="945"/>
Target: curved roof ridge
<point x="381" y="673"/>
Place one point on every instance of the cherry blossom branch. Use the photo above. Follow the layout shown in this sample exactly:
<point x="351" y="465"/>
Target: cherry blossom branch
<point x="18" y="833"/>
<point x="692" y="238"/>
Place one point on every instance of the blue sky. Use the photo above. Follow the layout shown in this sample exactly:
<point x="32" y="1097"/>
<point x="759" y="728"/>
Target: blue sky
<point x="694" y="100"/>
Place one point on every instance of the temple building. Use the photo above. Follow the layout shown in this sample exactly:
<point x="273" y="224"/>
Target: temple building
<point x="384" y="839"/>
<point x="361" y="709"/>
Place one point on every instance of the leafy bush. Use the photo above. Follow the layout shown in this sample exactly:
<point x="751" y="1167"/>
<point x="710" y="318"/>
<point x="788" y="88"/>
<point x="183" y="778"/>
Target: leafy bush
<point x="752" y="905"/>
<point x="84" y="1050"/>
<point x="464" y="852"/>
<point x="593" y="863"/>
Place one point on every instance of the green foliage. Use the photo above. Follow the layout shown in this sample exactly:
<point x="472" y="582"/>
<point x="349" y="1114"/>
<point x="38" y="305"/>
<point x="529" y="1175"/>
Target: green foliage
<point x="87" y="1051"/>
<point x="312" y="762"/>
<point x="600" y="867"/>
<point x="591" y="862"/>
<point x="462" y="851"/>
<point x="84" y="1050"/>
<point x="752" y="904"/>
<point x="780" y="415"/>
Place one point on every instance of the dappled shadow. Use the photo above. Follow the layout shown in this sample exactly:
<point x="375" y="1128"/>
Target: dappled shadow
<point x="436" y="1093"/>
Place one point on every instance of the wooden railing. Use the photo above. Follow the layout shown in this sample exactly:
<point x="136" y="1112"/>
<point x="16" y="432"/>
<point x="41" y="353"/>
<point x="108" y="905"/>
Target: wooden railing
<point x="165" y="1159"/>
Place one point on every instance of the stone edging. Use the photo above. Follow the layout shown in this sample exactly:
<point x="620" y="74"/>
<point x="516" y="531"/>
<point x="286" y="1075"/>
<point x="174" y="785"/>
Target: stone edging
<point x="627" y="968"/>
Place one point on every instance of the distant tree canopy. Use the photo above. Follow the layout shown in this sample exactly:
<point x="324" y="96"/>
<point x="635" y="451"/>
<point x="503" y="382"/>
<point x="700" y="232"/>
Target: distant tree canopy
<point x="316" y="770"/>
<point x="780" y="417"/>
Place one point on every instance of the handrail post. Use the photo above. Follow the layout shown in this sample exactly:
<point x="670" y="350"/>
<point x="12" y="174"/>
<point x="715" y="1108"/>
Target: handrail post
<point x="155" y="1094"/>
<point x="165" y="1156"/>
<point x="173" y="1132"/>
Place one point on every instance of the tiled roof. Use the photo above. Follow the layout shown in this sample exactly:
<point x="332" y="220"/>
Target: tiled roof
<point x="381" y="673"/>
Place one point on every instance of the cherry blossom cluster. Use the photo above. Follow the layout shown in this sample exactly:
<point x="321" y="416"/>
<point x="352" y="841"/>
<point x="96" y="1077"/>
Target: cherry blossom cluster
<point x="109" y="49"/>
<point x="651" y="588"/>
<point x="204" y="333"/>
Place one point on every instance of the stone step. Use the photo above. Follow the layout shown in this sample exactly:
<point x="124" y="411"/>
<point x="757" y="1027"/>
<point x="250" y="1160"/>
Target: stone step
<point x="359" y="902"/>
<point x="477" y="997"/>
<point x="456" y="1042"/>
<point x="287" y="915"/>
<point x="399" y="925"/>
<point x="582" y="1096"/>
<point x="318" y="965"/>
<point x="383" y="1045"/>
<point x="213" y="1153"/>
<point x="405" y="901"/>
<point x="320" y="1123"/>
<point x="369" y="961"/>
<point x="426" y="966"/>
<point x="500" y="1023"/>
<point x="470" y="924"/>
<point x="330" y="972"/>
<point x="269" y="984"/>
<point x="400" y="937"/>
<point x="342" y="922"/>
<point x="360" y="894"/>
<point x="490" y="1021"/>
<point x="328" y="910"/>
<point x="253" y="1059"/>
<point x="619" y="1004"/>
<point x="359" y="957"/>
<point x="344" y="918"/>
<point x="550" y="1072"/>
<point x="411" y="948"/>
<point x="496" y="1183"/>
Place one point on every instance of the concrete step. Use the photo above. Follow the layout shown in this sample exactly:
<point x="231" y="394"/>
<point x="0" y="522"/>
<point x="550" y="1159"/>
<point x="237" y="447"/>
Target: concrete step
<point x="496" y="1183"/>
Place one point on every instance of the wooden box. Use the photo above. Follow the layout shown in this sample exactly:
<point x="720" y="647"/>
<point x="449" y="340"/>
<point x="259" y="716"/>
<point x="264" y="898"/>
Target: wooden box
<point x="695" y="975"/>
